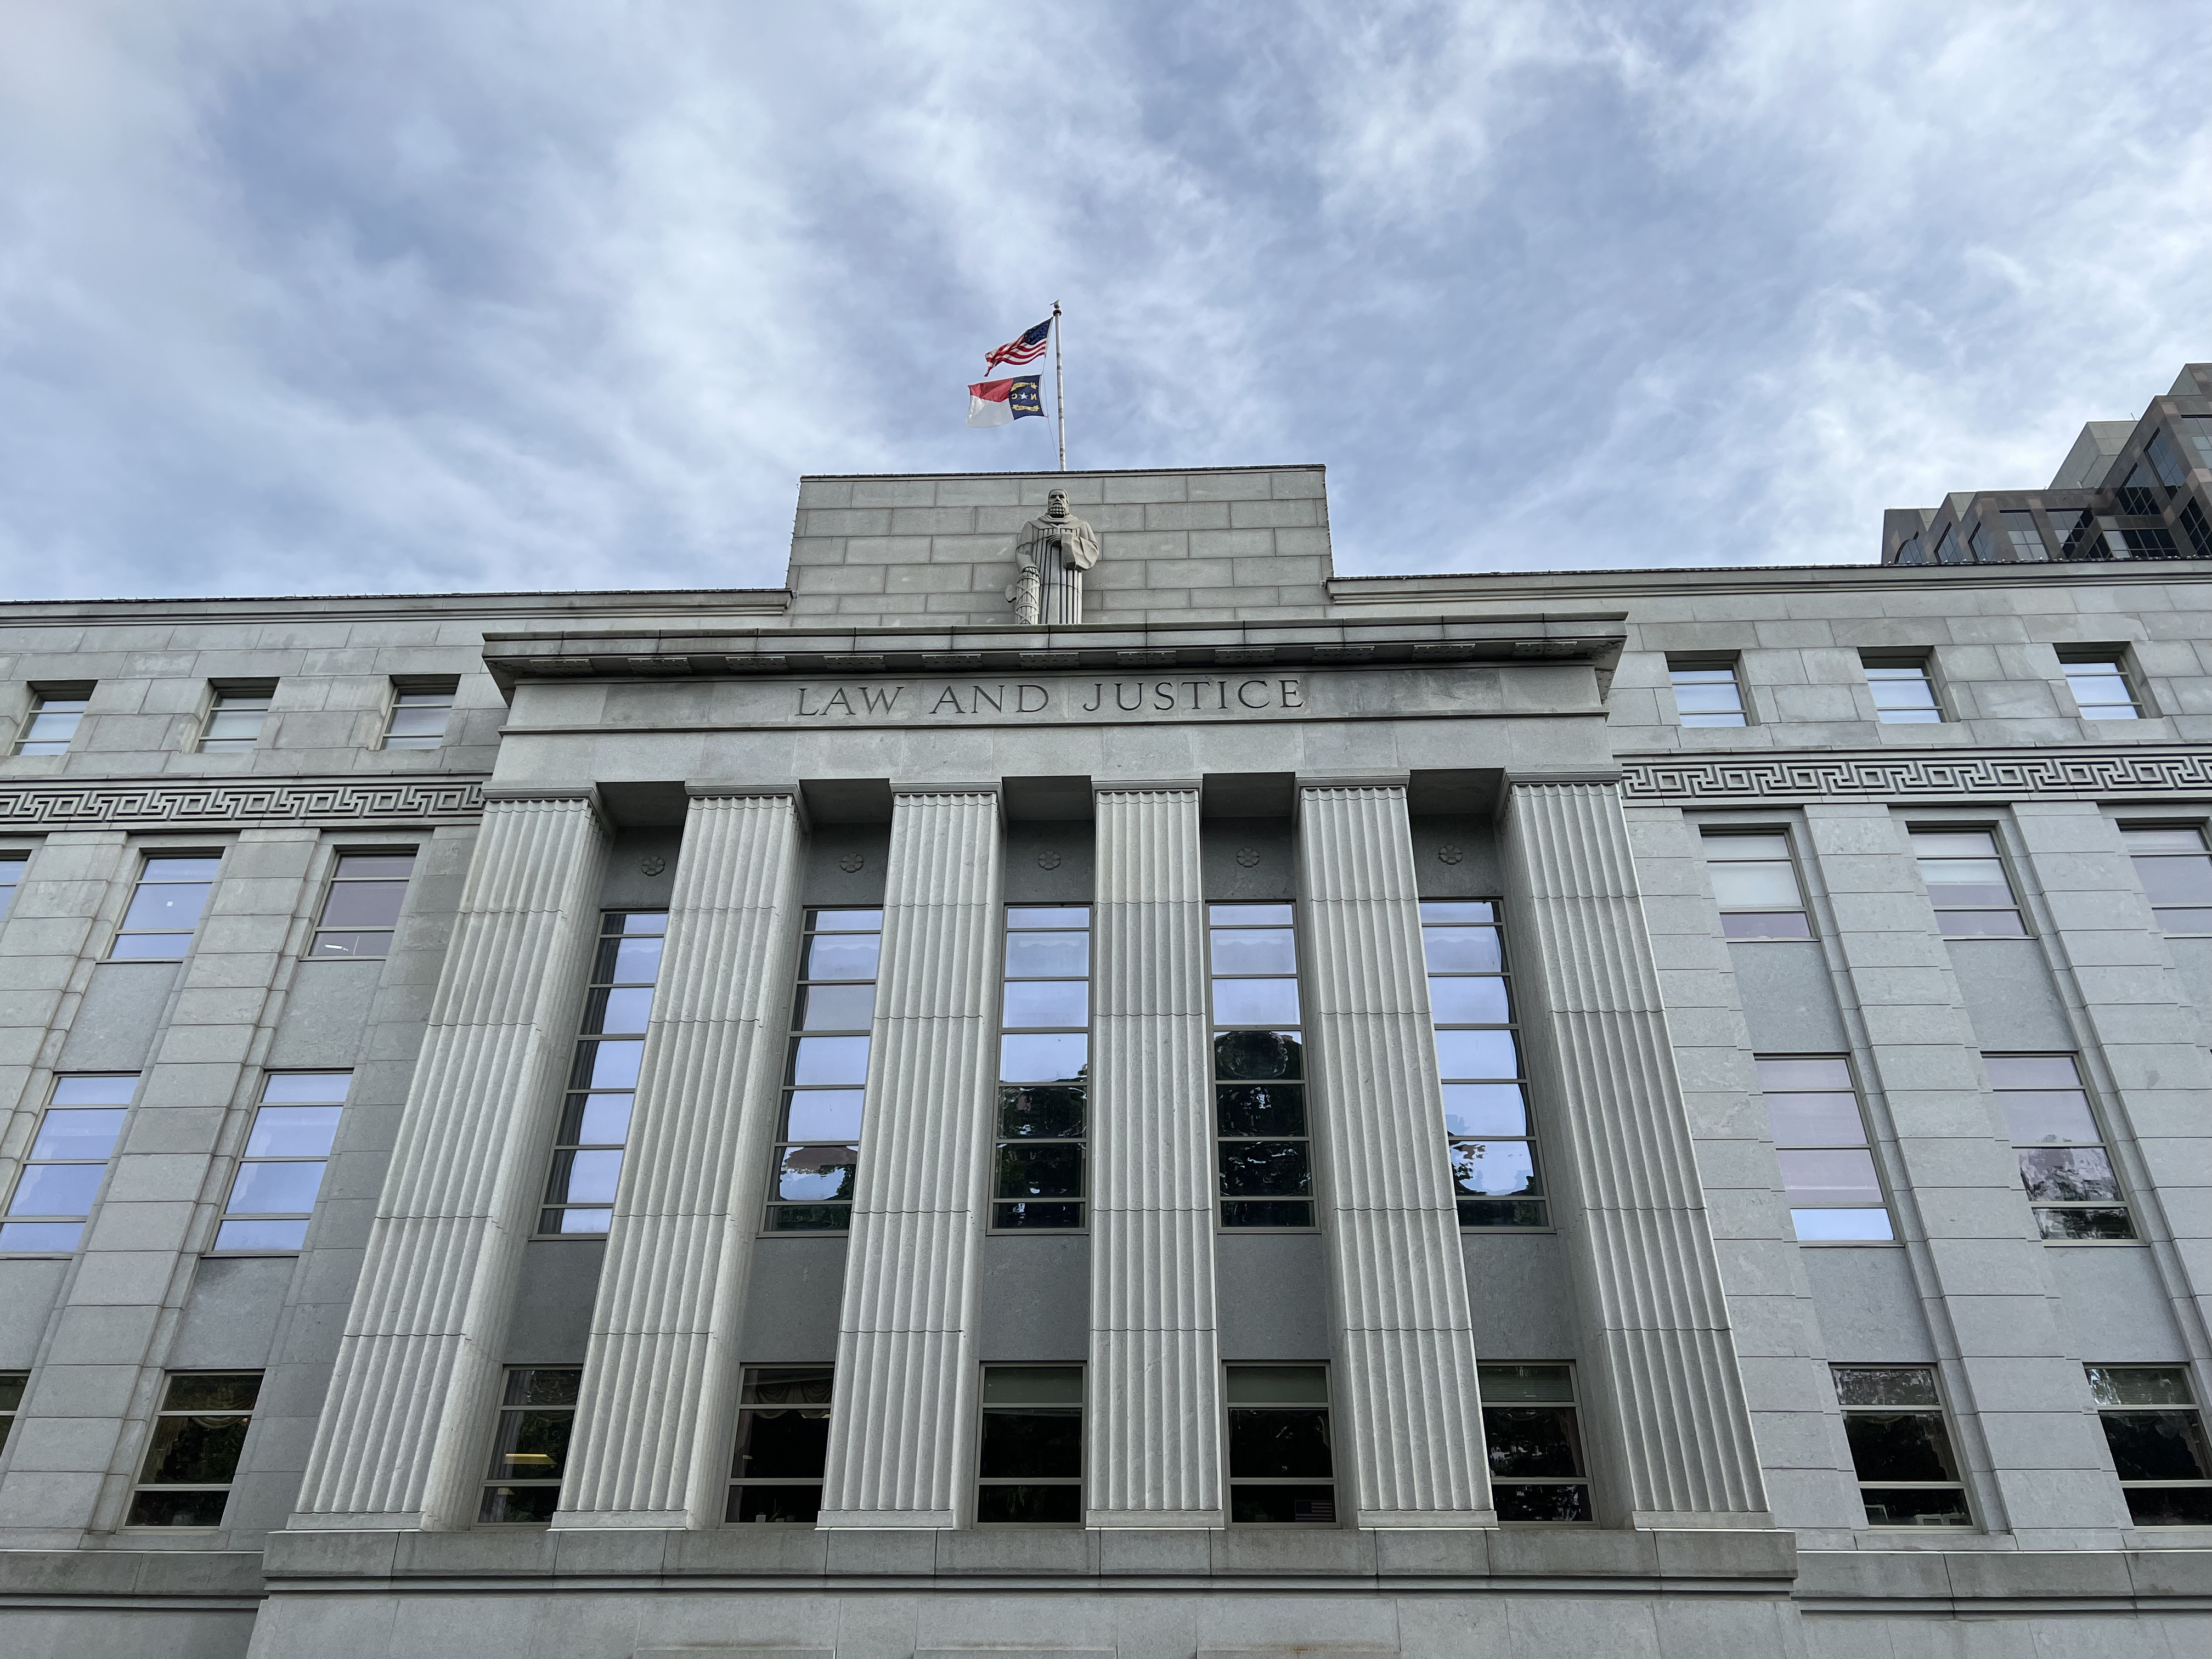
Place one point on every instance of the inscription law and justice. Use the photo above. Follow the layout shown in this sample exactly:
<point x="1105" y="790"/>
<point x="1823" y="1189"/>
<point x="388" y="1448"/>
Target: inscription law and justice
<point x="968" y="699"/>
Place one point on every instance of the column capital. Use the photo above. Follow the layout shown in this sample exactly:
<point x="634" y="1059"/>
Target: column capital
<point x="1379" y="779"/>
<point x="1146" y="786"/>
<point x="524" y="794"/>
<point x="790" y="792"/>
<point x="1515" y="779"/>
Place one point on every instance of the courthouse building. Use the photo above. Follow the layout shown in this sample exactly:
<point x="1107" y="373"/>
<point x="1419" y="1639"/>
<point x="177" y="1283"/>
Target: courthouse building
<point x="1661" y="1113"/>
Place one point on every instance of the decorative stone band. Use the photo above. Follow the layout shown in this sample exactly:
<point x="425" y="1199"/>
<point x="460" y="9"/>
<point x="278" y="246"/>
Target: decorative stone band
<point x="2161" y="770"/>
<point x="241" y="802"/>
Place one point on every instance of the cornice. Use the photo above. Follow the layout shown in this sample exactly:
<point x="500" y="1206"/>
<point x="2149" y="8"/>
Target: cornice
<point x="1523" y="586"/>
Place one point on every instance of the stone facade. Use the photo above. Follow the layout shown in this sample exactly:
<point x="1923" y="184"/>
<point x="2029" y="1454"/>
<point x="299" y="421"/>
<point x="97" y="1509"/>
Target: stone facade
<point x="1233" y="726"/>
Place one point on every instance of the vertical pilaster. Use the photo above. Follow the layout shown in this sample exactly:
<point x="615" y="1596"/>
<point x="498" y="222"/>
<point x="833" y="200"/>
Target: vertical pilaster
<point x="903" y="1415"/>
<point x="654" y="1415"/>
<point x="1650" y="1283"/>
<point x="1406" y="1411"/>
<point x="1155" y="1385"/>
<point x="410" y="1398"/>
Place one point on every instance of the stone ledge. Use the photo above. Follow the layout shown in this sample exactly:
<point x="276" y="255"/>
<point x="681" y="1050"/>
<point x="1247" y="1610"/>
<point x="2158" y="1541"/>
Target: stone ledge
<point x="1980" y="1577"/>
<point x="167" y="1576"/>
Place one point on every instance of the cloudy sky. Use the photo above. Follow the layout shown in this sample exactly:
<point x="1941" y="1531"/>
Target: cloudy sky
<point x="336" y="295"/>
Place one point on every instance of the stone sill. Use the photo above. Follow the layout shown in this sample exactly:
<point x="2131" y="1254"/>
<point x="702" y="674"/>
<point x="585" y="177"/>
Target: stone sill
<point x="190" y="1578"/>
<point x="2038" y="1577"/>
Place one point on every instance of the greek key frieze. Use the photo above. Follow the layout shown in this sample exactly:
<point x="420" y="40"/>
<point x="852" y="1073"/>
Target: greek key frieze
<point x="201" y="803"/>
<point x="1952" y="776"/>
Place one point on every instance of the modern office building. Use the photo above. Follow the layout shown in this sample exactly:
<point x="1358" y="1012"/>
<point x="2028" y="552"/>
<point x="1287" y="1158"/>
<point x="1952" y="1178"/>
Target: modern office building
<point x="1661" y="1113"/>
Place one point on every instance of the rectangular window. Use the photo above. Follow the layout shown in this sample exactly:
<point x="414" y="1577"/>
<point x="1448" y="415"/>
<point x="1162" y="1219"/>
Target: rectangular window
<point x="12" y="1384"/>
<point x="363" y="906"/>
<point x="1281" y="1470"/>
<point x="2064" y="1162"/>
<point x="2198" y="431"/>
<point x="1536" y="1468"/>
<point x="1495" y="1178"/>
<point x="1706" y="692"/>
<point x="2157" y="1440"/>
<point x="272" y="1196"/>
<point x="1029" y="1458"/>
<point x="817" y="1155"/>
<point x="1259" y="1067"/>
<point x="164" y="907"/>
<point x="2166" y="460"/>
<point x="2142" y="494"/>
<point x="1901" y="1446"/>
<point x="11" y="876"/>
<point x="420" y="709"/>
<point x="2100" y="683"/>
<point x="2175" y="867"/>
<point x="1044" y="1068"/>
<point x="2027" y="541"/>
<point x="191" y="1457"/>
<point x="2195" y="525"/>
<point x="530" y="1443"/>
<point x="1965" y="874"/>
<point x="783" y="1439"/>
<point x="1820" y="1138"/>
<point x="1904" y="691"/>
<point x="587" y="1153"/>
<point x="1755" y="884"/>
<point x="62" y="1173"/>
<point x="1947" y="549"/>
<point x="236" y="713"/>
<point x="51" y="724"/>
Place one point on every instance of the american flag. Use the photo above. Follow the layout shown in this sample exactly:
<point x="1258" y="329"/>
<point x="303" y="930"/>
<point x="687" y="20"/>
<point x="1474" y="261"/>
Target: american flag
<point x="1026" y="350"/>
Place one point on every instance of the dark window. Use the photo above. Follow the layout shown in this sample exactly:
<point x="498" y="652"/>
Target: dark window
<point x="1948" y="550"/>
<point x="817" y="1155"/>
<point x="1820" y="1139"/>
<point x="272" y="1196"/>
<point x="2143" y="541"/>
<point x="2026" y="540"/>
<point x="164" y="907"/>
<point x="2165" y="460"/>
<point x="530" y="1443"/>
<point x="1908" y="551"/>
<point x="2064" y="1162"/>
<point x="1495" y="1181"/>
<point x="2195" y="526"/>
<point x="62" y="1173"/>
<point x="12" y="1384"/>
<point x="783" y="1437"/>
<point x="1044" y="1068"/>
<point x="1904" y="692"/>
<point x="1901" y="1447"/>
<point x="1966" y="883"/>
<point x="1706" y="693"/>
<point x="53" y="722"/>
<point x="1029" y="1459"/>
<point x="2157" y="1441"/>
<point x="11" y="876"/>
<point x="587" y="1150"/>
<point x="235" y="715"/>
<point x="1755" y="884"/>
<point x="1281" y="1470"/>
<point x="420" y="709"/>
<point x="2100" y="685"/>
<point x="1259" y="1067"/>
<point x="191" y="1457"/>
<point x="1534" y="1443"/>
<point x="1984" y="550"/>
<point x="2142" y="493"/>
<point x="2175" y="867"/>
<point x="360" y="910"/>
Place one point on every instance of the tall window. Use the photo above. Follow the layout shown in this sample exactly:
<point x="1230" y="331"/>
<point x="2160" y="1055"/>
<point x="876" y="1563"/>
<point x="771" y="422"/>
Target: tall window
<point x="1706" y="692"/>
<point x="2157" y="1440"/>
<point x="191" y="1457"/>
<point x="1901" y="1447"/>
<point x="530" y="1443"/>
<point x="1259" y="1067"/>
<point x="1495" y="1179"/>
<point x="362" y="908"/>
<point x="61" y="1175"/>
<point x="11" y="876"/>
<point x="1965" y="874"/>
<point x="12" y="1384"/>
<point x="818" y="1156"/>
<point x="2140" y="494"/>
<point x="783" y="1440"/>
<point x="588" y="1156"/>
<point x="1044" y="1068"/>
<point x="1755" y="884"/>
<point x="52" y="723"/>
<point x="2175" y="867"/>
<point x="2198" y="528"/>
<point x="1029" y="1461"/>
<point x="1535" y="1443"/>
<point x="2027" y="541"/>
<point x="1281" y="1469"/>
<point x="1904" y="692"/>
<point x="2063" y="1163"/>
<point x="1820" y="1136"/>
<point x="2166" y="460"/>
<point x="236" y="713"/>
<point x="165" y="908"/>
<point x="420" y="709"/>
<point x="2100" y="683"/>
<point x="272" y="1196"/>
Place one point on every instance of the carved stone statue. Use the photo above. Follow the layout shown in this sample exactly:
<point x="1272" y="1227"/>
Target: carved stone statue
<point x="1053" y="551"/>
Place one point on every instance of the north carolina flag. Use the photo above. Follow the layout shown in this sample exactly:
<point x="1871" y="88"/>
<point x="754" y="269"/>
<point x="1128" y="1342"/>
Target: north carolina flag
<point x="994" y="403"/>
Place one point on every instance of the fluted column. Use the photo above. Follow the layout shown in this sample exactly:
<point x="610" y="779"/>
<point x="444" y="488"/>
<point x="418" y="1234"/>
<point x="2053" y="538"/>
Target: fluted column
<point x="1670" y="1400"/>
<point x="1155" y="1384"/>
<point x="902" y="1412"/>
<point x="410" y="1402"/>
<point x="1407" y="1417"/>
<point x="652" y="1423"/>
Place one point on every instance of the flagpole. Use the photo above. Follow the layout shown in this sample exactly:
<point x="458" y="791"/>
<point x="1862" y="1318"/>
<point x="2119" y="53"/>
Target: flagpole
<point x="1059" y="387"/>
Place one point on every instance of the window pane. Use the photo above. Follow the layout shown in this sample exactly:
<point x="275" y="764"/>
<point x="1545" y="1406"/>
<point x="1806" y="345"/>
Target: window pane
<point x="1755" y="886"/>
<point x="364" y="904"/>
<point x="1462" y="950"/>
<point x="823" y="1115"/>
<point x="829" y="1060"/>
<point x="1279" y="1444"/>
<point x="1255" y="950"/>
<point x="1477" y="1055"/>
<point x="2157" y="1445"/>
<point x="194" y="1450"/>
<point x="174" y="906"/>
<point x="1045" y="955"/>
<point x="843" y="955"/>
<point x="1484" y="1108"/>
<point x="1044" y="1057"/>
<point x="836" y="1007"/>
<point x="1531" y="1440"/>
<point x="1502" y="1169"/>
<point x="1255" y="1001"/>
<point x="1836" y="1176"/>
<point x="1885" y="1385"/>
<point x="77" y="1133"/>
<point x="1900" y="1446"/>
<point x="1046" y="1002"/>
<point x="2139" y="1385"/>
<point x="1841" y="1226"/>
<point x="281" y="1188"/>
<point x="57" y="1189"/>
<point x="816" y="1174"/>
<point x="1469" y="1002"/>
<point x="1810" y="1120"/>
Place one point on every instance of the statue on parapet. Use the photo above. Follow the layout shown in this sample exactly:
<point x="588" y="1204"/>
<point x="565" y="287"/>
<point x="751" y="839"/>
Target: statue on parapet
<point x="1053" y="552"/>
